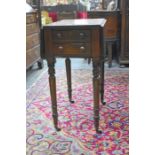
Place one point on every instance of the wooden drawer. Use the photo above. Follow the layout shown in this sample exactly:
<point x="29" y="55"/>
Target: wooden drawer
<point x="32" y="55"/>
<point x="32" y="28"/>
<point x="32" y="40"/>
<point x="73" y="35"/>
<point x="74" y="49"/>
<point x="31" y="18"/>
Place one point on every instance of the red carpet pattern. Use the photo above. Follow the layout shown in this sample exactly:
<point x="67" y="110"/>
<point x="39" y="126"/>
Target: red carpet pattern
<point x="77" y="135"/>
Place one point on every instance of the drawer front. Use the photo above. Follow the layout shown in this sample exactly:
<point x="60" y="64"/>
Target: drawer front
<point x="32" y="55"/>
<point x="32" y="28"/>
<point x="74" y="49"/>
<point x="71" y="35"/>
<point x="32" y="40"/>
<point x="31" y="18"/>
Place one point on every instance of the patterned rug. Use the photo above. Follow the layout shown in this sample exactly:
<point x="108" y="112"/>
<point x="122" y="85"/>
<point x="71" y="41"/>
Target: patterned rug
<point x="77" y="135"/>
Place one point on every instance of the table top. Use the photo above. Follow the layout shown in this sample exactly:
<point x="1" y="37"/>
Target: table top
<point x="78" y="22"/>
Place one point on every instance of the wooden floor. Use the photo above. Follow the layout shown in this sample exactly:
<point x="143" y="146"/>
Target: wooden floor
<point x="33" y="74"/>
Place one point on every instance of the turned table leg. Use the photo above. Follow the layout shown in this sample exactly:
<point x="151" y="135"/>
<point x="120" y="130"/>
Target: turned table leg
<point x="110" y="54"/>
<point x="52" y="84"/>
<point x="96" y="90"/>
<point x="117" y="49"/>
<point x="102" y="83"/>
<point x="69" y="82"/>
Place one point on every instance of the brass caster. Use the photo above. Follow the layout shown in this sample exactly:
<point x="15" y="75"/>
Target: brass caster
<point x="98" y="131"/>
<point x="58" y="129"/>
<point x="103" y="102"/>
<point x="71" y="101"/>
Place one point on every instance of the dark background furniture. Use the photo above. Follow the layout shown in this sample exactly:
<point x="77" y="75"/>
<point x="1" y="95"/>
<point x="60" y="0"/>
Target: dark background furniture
<point x="124" y="52"/>
<point x="32" y="40"/>
<point x="111" y="30"/>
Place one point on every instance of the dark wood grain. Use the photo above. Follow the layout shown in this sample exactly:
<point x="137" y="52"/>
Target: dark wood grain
<point x="124" y="55"/>
<point x="110" y="53"/>
<point x="69" y="81"/>
<point x="96" y="94"/>
<point x="112" y="27"/>
<point x="52" y="84"/>
<point x="32" y="40"/>
<point x="85" y="40"/>
<point x="111" y="30"/>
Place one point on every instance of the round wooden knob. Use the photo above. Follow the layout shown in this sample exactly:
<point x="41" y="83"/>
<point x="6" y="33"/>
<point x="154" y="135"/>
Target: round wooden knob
<point x="81" y="34"/>
<point x="82" y="48"/>
<point x="59" y="35"/>
<point x="60" y="47"/>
